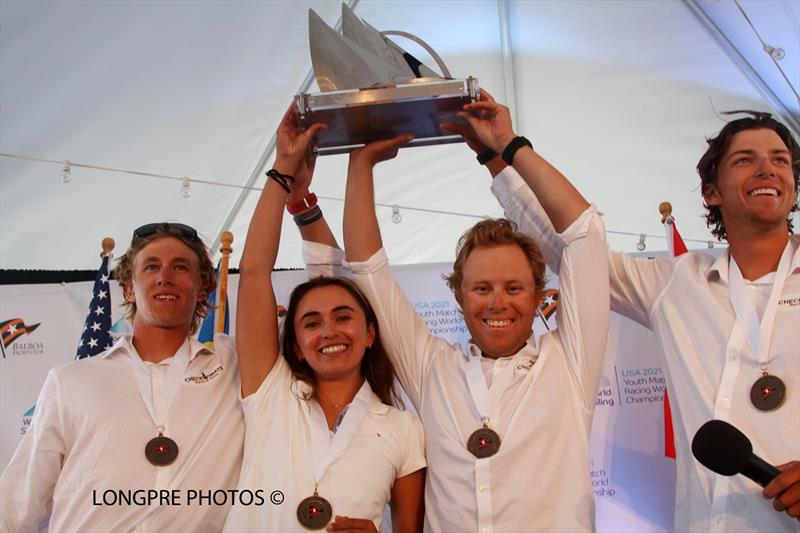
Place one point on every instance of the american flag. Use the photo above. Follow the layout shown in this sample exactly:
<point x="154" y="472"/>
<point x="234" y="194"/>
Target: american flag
<point x="96" y="336"/>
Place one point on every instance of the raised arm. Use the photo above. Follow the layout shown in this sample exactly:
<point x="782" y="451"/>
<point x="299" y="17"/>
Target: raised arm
<point x="491" y="122"/>
<point x="256" y="316"/>
<point x="362" y="235"/>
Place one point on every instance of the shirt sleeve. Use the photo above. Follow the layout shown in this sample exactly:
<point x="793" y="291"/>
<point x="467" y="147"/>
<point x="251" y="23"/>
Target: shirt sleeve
<point x="322" y="259"/>
<point x="634" y="283"/>
<point x="415" y="447"/>
<point x="27" y="484"/>
<point x="583" y="308"/>
<point x="404" y="334"/>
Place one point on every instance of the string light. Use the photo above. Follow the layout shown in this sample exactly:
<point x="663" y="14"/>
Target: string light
<point x="396" y="215"/>
<point x="710" y="244"/>
<point x="641" y="245"/>
<point x="66" y="171"/>
<point x="775" y="53"/>
<point x="186" y="187"/>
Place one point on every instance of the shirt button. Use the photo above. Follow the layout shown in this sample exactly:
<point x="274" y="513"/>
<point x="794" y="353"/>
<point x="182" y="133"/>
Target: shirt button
<point x="731" y="356"/>
<point x="483" y="488"/>
<point x="724" y="399"/>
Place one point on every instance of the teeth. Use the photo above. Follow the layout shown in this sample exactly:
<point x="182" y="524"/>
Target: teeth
<point x="764" y="191"/>
<point x="498" y="323"/>
<point x="334" y="349"/>
<point x="165" y="297"/>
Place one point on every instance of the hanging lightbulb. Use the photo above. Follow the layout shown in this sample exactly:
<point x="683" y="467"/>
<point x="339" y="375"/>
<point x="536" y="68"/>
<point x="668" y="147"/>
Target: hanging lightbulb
<point x="396" y="216"/>
<point x="186" y="188"/>
<point x="66" y="171"/>
<point x="710" y="244"/>
<point x="775" y="53"/>
<point x="641" y="245"/>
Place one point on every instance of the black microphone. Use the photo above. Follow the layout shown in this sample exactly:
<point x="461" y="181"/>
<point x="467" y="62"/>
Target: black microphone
<point x="724" y="449"/>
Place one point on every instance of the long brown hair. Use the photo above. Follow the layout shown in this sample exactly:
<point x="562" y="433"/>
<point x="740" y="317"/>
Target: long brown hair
<point x="376" y="367"/>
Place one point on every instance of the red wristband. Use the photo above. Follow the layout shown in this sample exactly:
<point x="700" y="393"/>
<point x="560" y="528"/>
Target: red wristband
<point x="306" y="203"/>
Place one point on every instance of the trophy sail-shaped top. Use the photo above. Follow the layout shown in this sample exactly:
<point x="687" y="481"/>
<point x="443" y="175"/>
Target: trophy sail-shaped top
<point x="373" y="89"/>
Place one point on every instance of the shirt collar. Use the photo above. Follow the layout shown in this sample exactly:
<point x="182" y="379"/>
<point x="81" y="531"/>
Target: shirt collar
<point x="124" y="345"/>
<point x="720" y="266"/>
<point x="531" y="348"/>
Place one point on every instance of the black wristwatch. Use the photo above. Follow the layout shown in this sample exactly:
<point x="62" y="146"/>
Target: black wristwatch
<point x="515" y="144"/>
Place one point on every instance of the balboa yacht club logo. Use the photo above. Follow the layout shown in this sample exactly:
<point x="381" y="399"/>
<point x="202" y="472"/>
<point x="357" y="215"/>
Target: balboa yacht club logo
<point x="12" y="330"/>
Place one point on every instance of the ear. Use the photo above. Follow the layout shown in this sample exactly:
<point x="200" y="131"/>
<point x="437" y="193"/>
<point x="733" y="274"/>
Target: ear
<point x="202" y="296"/>
<point x="128" y="293"/>
<point x="370" y="335"/>
<point x="711" y="194"/>
<point x="298" y="352"/>
<point x="457" y="294"/>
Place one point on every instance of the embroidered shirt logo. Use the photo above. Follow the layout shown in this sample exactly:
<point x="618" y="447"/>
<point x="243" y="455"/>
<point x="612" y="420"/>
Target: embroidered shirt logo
<point x="204" y="377"/>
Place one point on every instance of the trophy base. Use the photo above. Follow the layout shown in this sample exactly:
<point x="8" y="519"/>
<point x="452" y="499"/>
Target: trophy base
<point x="357" y="117"/>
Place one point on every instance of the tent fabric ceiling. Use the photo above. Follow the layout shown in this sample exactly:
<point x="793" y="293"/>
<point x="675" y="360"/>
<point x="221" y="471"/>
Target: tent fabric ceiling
<point x="619" y="95"/>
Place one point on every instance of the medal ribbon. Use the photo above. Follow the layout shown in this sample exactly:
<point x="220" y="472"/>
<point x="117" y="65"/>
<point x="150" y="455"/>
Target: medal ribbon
<point x="487" y="399"/>
<point x="759" y="335"/>
<point x="325" y="451"/>
<point x="158" y="402"/>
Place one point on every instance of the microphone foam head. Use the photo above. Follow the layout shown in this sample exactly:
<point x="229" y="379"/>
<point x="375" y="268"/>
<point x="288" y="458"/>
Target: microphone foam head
<point x="721" y="447"/>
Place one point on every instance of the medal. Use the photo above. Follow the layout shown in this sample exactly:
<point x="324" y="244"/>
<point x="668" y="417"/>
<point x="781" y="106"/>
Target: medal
<point x="314" y="512"/>
<point x="768" y="392"/>
<point x="483" y="442"/>
<point x="161" y="450"/>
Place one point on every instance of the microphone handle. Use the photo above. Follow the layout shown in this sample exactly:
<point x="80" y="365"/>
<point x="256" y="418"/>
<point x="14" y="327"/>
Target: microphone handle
<point x="759" y="470"/>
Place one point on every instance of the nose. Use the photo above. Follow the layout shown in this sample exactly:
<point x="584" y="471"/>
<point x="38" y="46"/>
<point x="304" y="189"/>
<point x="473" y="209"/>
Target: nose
<point x="766" y="167"/>
<point x="164" y="277"/>
<point x="497" y="301"/>
<point x="328" y="329"/>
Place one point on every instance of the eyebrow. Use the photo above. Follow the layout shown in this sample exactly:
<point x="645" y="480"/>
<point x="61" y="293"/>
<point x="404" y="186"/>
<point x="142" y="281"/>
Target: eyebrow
<point x="335" y="309"/>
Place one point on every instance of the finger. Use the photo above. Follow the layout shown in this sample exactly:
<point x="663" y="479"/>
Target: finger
<point x="790" y="475"/>
<point x="459" y="129"/>
<point x="484" y="95"/>
<point x="788" y="498"/>
<point x="313" y="129"/>
<point x="470" y="118"/>
<point x="482" y="106"/>
<point x="341" y="523"/>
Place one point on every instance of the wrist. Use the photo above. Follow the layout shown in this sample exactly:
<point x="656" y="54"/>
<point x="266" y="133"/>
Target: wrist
<point x="285" y="165"/>
<point x="298" y="193"/>
<point x="511" y="149"/>
<point x="303" y="204"/>
<point x="503" y="141"/>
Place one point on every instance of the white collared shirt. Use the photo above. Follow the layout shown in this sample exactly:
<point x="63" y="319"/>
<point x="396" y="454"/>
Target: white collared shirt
<point x="88" y="436"/>
<point x="280" y="456"/>
<point x="708" y="361"/>
<point x="539" y="479"/>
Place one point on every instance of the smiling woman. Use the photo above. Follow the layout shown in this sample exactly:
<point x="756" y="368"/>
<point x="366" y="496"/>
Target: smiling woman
<point x="318" y="413"/>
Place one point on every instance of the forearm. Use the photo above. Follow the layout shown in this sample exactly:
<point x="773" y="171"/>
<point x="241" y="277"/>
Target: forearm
<point x="560" y="199"/>
<point x="256" y="322"/>
<point x="362" y="236"/>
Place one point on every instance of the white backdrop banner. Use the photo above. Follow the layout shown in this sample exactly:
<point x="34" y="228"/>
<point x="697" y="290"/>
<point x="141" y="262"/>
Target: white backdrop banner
<point x="634" y="480"/>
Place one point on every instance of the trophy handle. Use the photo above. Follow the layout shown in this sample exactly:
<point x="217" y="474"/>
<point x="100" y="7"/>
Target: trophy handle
<point x="445" y="71"/>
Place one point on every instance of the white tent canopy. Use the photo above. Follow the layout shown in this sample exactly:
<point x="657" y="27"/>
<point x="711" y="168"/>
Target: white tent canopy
<point x="617" y="94"/>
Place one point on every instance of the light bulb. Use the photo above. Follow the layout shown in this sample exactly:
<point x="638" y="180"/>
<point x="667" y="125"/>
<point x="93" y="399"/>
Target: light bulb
<point x="775" y="53"/>
<point x="641" y="245"/>
<point x="66" y="172"/>
<point x="396" y="216"/>
<point x="186" y="188"/>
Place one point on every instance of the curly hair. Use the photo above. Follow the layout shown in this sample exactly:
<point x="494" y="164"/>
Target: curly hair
<point x="123" y="272"/>
<point x="376" y="367"/>
<point x="495" y="232"/>
<point x="708" y="166"/>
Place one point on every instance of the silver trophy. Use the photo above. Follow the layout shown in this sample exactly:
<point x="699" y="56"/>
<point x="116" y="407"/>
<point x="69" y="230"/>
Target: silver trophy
<point x="373" y="89"/>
